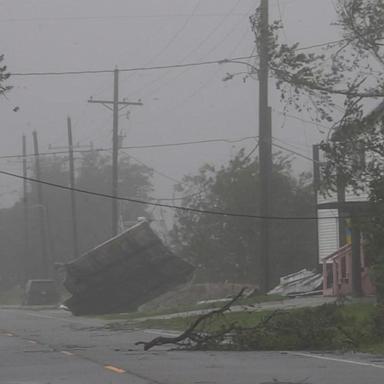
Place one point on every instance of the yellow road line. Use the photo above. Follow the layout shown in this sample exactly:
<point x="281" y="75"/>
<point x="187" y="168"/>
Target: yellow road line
<point x="114" y="369"/>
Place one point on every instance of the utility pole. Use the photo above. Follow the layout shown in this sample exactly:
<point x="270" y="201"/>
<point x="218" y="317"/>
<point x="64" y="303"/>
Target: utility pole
<point x="24" y="262"/>
<point x="265" y="147"/>
<point x="73" y="195"/>
<point x="71" y="147"/>
<point x="43" y="234"/>
<point x="316" y="187"/>
<point x="117" y="106"/>
<point x="341" y="199"/>
<point x="356" y="260"/>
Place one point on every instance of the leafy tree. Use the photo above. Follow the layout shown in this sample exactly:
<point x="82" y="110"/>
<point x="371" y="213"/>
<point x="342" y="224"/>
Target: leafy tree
<point x="226" y="247"/>
<point x="4" y="76"/>
<point x="348" y="72"/>
<point x="94" y="213"/>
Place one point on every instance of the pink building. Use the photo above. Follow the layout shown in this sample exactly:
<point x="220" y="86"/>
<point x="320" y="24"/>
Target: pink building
<point x="340" y="251"/>
<point x="337" y="273"/>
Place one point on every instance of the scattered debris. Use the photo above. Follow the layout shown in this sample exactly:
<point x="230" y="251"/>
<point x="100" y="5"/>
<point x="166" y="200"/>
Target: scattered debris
<point x="123" y="273"/>
<point x="190" y="336"/>
<point x="327" y="327"/>
<point x="299" y="283"/>
<point x="213" y="301"/>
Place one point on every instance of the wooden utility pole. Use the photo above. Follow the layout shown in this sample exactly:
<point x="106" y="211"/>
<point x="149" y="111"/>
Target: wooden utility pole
<point x="341" y="200"/>
<point x="316" y="187"/>
<point x="41" y="207"/>
<point x="73" y="194"/>
<point x="265" y="147"/>
<point x="115" y="153"/>
<point x="117" y="106"/>
<point x="356" y="260"/>
<point x="24" y="262"/>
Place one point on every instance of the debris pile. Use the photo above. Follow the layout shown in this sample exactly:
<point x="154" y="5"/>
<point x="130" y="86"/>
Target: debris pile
<point x="303" y="282"/>
<point x="123" y="273"/>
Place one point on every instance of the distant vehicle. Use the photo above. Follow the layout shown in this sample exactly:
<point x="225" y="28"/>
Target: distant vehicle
<point x="41" y="292"/>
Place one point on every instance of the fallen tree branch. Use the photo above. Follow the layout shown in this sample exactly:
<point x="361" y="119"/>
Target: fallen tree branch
<point x="189" y="332"/>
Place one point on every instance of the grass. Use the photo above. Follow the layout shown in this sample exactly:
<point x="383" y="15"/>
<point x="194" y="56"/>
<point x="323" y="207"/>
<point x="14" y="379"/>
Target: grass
<point x="250" y="301"/>
<point x="13" y="296"/>
<point x="245" y="319"/>
<point x="356" y="312"/>
<point x="356" y="317"/>
<point x="374" y="349"/>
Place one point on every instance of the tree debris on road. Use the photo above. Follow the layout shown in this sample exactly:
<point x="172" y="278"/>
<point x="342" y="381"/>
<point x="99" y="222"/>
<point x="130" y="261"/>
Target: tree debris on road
<point x="191" y="337"/>
<point x="328" y="327"/>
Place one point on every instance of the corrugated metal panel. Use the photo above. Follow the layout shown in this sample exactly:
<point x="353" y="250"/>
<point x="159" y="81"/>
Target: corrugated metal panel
<point x="123" y="273"/>
<point x="328" y="232"/>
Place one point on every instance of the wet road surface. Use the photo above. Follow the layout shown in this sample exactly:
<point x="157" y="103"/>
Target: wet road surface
<point x="53" y="347"/>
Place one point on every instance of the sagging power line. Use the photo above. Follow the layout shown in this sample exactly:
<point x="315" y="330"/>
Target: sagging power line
<point x="159" y="67"/>
<point x="145" y="146"/>
<point x="177" y="207"/>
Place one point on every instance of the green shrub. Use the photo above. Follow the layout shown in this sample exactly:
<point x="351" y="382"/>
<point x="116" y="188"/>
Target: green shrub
<point x="322" y="328"/>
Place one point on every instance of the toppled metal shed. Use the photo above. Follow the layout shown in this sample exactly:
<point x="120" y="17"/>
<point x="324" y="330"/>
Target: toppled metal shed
<point x="299" y="283"/>
<point x="123" y="273"/>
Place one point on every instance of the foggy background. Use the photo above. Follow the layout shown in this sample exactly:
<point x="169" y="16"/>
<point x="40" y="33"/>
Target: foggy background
<point x="179" y="104"/>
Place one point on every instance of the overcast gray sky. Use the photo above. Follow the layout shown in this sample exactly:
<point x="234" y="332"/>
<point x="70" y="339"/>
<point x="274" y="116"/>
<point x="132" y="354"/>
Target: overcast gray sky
<point x="179" y="104"/>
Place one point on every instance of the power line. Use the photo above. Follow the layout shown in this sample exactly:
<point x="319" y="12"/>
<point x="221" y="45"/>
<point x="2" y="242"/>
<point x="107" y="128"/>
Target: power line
<point x="178" y="32"/>
<point x="254" y="149"/>
<point x="300" y="119"/>
<point x="294" y="145"/>
<point x="177" y="207"/>
<point x="132" y="69"/>
<point x="177" y="144"/>
<point x="197" y="90"/>
<point x="154" y="170"/>
<point x="334" y="42"/>
<point x="294" y="152"/>
<point x="212" y="32"/>
<point x="157" y="67"/>
<point x="116" y="17"/>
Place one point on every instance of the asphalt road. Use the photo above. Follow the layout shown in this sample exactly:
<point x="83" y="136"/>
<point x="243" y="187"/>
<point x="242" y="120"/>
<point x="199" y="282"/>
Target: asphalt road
<point x="54" y="347"/>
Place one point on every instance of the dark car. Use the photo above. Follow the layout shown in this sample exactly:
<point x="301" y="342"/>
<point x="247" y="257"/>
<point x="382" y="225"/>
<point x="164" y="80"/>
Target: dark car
<point x="41" y="292"/>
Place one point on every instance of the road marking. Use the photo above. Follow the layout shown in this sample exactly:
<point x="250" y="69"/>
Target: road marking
<point x="32" y="341"/>
<point x="114" y="369"/>
<point x="335" y="359"/>
<point x="66" y="353"/>
<point x="8" y="334"/>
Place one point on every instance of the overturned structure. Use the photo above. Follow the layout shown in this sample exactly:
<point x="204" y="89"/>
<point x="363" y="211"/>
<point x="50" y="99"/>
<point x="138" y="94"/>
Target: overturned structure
<point x="123" y="273"/>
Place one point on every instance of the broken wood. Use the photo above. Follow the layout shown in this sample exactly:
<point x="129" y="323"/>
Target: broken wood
<point x="189" y="333"/>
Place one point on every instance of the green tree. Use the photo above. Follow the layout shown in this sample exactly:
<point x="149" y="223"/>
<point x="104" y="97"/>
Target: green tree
<point x="347" y="73"/>
<point x="94" y="213"/>
<point x="226" y="247"/>
<point x="4" y="76"/>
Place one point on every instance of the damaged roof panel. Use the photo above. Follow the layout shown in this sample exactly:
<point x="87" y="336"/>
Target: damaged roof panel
<point x="302" y="282"/>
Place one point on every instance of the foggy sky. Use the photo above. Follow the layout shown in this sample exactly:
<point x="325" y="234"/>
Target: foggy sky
<point x="179" y="104"/>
